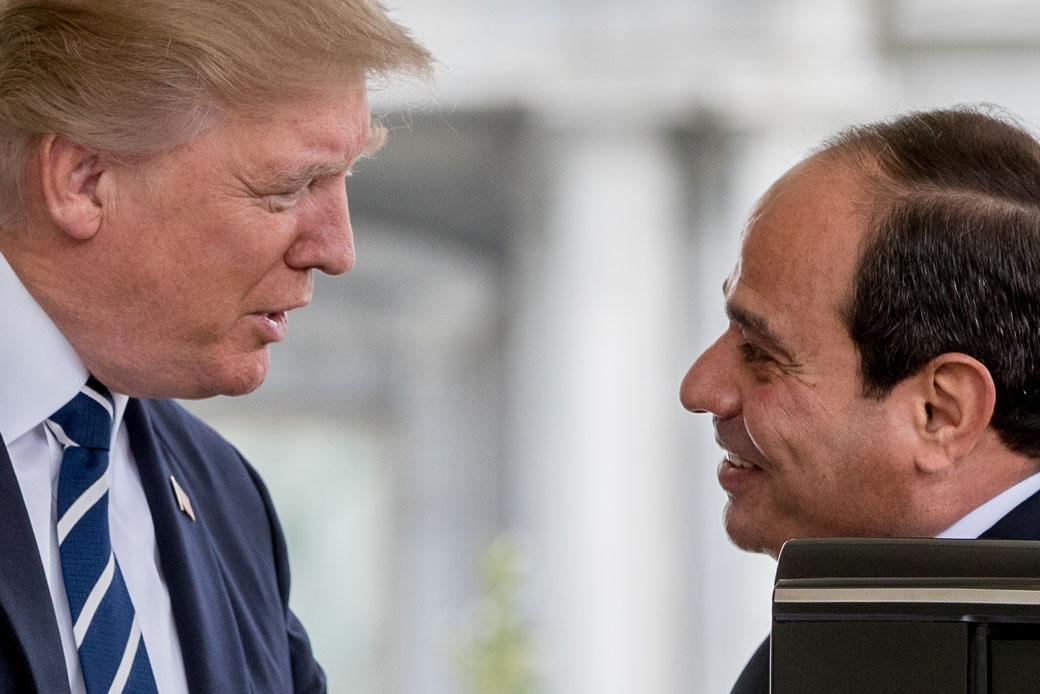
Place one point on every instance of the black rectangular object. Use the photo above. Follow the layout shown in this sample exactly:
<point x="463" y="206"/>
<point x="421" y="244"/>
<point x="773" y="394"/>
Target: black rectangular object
<point x="1014" y="662"/>
<point x="894" y="616"/>
<point x="870" y="657"/>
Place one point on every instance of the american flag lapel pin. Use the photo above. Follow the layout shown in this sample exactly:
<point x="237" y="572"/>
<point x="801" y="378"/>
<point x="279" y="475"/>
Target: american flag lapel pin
<point x="183" y="502"/>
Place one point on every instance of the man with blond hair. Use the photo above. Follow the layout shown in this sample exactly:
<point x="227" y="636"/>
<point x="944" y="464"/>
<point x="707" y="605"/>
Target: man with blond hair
<point x="879" y="377"/>
<point x="171" y="174"/>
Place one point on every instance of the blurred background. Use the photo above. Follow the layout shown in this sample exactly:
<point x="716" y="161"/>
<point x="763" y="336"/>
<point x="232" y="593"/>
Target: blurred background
<point x="474" y="439"/>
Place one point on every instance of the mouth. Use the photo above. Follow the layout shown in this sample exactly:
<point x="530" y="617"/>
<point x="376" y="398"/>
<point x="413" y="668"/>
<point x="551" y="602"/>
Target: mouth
<point x="274" y="316"/>
<point x="739" y="463"/>
<point x="273" y="325"/>
<point x="738" y="475"/>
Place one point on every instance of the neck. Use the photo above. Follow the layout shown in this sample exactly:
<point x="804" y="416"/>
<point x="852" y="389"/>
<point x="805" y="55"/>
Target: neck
<point x="989" y="470"/>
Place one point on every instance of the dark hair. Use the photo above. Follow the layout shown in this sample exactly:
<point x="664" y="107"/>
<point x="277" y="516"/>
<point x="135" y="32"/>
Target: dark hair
<point x="952" y="261"/>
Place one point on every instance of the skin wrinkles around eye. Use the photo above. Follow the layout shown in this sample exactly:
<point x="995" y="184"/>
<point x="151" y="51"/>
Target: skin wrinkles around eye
<point x="752" y="324"/>
<point x="760" y="339"/>
<point x="292" y="191"/>
<point x="280" y="202"/>
<point x="753" y="354"/>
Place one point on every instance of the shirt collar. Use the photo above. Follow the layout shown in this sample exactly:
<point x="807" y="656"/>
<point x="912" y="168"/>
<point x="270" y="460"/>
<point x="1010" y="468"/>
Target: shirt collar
<point x="986" y="516"/>
<point x="38" y="367"/>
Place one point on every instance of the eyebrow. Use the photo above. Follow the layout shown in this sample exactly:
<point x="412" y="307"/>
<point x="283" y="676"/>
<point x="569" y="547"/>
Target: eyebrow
<point x="290" y="177"/>
<point x="756" y="325"/>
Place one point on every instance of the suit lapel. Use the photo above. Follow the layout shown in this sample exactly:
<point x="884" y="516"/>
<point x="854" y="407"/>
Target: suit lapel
<point x="206" y="626"/>
<point x="24" y="597"/>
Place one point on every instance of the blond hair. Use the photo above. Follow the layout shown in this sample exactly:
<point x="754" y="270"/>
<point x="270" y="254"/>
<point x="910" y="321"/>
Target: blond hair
<point x="136" y="77"/>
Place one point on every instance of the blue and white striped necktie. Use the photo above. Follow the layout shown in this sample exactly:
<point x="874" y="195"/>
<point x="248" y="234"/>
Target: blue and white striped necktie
<point x="112" y="653"/>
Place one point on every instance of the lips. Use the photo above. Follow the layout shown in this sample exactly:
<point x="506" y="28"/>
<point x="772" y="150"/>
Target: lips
<point x="737" y="476"/>
<point x="273" y="326"/>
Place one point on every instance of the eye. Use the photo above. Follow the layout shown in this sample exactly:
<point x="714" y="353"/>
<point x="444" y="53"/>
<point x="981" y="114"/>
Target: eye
<point x="290" y="194"/>
<point x="753" y="354"/>
<point x="279" y="202"/>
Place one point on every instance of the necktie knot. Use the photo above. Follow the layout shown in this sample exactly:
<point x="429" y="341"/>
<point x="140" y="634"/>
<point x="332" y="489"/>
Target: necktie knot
<point x="86" y="420"/>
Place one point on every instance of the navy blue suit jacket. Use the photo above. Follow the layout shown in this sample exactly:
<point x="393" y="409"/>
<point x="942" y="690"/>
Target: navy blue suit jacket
<point x="1022" y="523"/>
<point x="226" y="572"/>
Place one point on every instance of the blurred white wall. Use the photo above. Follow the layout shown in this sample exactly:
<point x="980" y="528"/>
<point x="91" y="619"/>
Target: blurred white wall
<point x="541" y="250"/>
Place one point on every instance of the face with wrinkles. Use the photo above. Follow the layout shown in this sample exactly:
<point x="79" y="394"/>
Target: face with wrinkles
<point x="200" y="254"/>
<point x="806" y="455"/>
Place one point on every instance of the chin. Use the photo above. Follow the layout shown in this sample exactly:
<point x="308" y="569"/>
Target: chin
<point x="749" y="538"/>
<point x="239" y="382"/>
<point x="237" y="388"/>
<point x="239" y="377"/>
<point x="186" y="378"/>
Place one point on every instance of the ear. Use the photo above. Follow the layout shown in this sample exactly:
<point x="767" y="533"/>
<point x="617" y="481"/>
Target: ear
<point x="69" y="175"/>
<point x="955" y="401"/>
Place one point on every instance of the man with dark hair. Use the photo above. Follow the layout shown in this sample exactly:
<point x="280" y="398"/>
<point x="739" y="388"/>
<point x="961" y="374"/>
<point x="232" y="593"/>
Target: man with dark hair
<point x="172" y="175"/>
<point x="878" y="376"/>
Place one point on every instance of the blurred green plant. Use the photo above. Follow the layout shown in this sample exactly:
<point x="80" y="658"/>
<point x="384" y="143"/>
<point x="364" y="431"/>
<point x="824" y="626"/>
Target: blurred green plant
<point x="496" y="656"/>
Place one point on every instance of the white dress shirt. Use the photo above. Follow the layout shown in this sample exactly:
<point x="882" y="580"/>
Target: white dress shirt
<point x="40" y="372"/>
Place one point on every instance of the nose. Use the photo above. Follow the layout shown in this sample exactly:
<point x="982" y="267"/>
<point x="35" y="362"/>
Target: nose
<point x="325" y="239"/>
<point x="710" y="384"/>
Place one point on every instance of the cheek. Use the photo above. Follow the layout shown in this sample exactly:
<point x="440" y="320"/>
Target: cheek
<point x="785" y="420"/>
<point x="813" y="446"/>
<point x="182" y="297"/>
<point x="250" y="243"/>
<point x="213" y="263"/>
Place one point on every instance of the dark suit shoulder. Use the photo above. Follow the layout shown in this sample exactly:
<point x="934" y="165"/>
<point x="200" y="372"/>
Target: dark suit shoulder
<point x="755" y="677"/>
<point x="236" y="542"/>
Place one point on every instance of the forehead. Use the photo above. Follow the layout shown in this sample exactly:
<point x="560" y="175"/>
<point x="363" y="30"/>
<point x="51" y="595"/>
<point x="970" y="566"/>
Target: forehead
<point x="801" y="242"/>
<point x="331" y="130"/>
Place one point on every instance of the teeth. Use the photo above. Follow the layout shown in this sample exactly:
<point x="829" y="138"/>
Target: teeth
<point x="737" y="461"/>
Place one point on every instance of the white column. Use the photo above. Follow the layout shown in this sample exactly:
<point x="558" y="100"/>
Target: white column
<point x="595" y="449"/>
